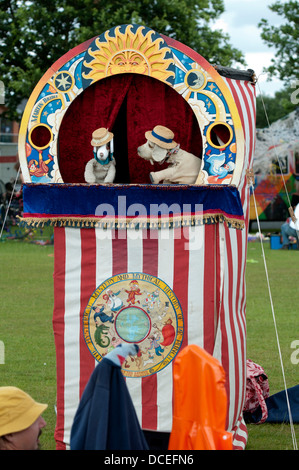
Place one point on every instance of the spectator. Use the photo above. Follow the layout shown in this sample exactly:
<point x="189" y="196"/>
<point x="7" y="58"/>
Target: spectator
<point x="21" y="422"/>
<point x="290" y="229"/>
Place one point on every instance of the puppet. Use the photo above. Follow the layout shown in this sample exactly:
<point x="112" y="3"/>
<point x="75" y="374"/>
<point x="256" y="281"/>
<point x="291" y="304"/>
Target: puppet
<point x="183" y="167"/>
<point x="101" y="168"/>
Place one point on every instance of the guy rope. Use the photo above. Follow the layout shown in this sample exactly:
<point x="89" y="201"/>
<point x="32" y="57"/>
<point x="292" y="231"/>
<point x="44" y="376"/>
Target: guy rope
<point x="250" y="179"/>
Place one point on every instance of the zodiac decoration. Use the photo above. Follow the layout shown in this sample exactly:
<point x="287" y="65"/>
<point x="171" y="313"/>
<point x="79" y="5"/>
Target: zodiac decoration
<point x="148" y="314"/>
<point x="219" y="169"/>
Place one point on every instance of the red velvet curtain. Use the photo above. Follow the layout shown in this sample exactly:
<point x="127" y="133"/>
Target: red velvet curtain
<point x="128" y="105"/>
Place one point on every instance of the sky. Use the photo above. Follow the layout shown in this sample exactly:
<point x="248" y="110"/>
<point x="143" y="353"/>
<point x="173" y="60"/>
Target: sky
<point x="240" y="21"/>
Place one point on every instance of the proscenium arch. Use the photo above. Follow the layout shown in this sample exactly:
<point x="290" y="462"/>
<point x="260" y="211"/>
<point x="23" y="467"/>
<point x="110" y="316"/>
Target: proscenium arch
<point x="209" y="97"/>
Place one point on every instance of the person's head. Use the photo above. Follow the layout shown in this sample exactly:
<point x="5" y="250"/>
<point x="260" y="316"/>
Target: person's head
<point x="21" y="422"/>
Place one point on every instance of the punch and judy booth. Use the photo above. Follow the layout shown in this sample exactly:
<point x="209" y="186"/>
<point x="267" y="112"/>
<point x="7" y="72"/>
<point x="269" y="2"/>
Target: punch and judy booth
<point x="159" y="265"/>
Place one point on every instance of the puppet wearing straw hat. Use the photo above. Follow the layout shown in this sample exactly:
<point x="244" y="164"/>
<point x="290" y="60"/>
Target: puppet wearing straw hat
<point x="101" y="168"/>
<point x="183" y="167"/>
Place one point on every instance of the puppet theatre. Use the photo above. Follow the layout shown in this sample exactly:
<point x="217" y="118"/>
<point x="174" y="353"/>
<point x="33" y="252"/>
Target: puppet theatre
<point x="158" y="265"/>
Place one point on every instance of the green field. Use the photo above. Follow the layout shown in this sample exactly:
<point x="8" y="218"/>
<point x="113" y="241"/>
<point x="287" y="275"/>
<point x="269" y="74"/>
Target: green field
<point x="26" y="280"/>
<point x="262" y="345"/>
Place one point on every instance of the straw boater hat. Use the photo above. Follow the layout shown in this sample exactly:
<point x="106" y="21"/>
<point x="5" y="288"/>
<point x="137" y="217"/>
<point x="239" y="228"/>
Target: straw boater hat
<point x="162" y="136"/>
<point x="17" y="410"/>
<point x="100" y="137"/>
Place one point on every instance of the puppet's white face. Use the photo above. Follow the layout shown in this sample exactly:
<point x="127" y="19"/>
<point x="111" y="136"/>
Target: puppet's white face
<point x="152" y="152"/>
<point x="102" y="152"/>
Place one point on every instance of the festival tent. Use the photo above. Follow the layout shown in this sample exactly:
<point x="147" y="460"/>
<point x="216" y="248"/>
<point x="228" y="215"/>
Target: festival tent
<point x="283" y="132"/>
<point x="276" y="168"/>
<point x="162" y="266"/>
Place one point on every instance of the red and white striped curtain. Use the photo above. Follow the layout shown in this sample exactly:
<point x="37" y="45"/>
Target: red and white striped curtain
<point x="208" y="281"/>
<point x="205" y="268"/>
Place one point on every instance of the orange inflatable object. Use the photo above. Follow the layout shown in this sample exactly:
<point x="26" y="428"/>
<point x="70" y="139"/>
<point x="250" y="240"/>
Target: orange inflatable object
<point x="200" y="402"/>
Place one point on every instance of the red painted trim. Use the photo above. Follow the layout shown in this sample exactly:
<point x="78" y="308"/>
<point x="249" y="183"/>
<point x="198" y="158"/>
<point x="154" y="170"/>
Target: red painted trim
<point x="59" y="330"/>
<point x="70" y="54"/>
<point x="188" y="51"/>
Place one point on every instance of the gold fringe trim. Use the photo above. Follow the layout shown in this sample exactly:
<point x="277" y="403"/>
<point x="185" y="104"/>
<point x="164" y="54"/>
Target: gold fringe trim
<point x="132" y="223"/>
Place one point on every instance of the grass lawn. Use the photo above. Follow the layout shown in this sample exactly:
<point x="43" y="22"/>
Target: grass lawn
<point x="26" y="280"/>
<point x="262" y="348"/>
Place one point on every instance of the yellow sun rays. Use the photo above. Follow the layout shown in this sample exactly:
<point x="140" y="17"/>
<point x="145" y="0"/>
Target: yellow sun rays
<point x="129" y="52"/>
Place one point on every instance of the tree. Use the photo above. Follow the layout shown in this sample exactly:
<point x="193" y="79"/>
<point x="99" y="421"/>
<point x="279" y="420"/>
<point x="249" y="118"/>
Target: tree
<point x="284" y="39"/>
<point x="35" y="34"/>
<point x="277" y="107"/>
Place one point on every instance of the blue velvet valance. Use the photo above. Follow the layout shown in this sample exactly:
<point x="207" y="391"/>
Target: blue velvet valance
<point x="129" y="206"/>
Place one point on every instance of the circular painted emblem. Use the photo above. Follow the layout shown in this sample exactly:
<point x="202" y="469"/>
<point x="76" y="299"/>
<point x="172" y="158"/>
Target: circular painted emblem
<point x="195" y="79"/>
<point x="63" y="81"/>
<point x="135" y="308"/>
<point x="132" y="324"/>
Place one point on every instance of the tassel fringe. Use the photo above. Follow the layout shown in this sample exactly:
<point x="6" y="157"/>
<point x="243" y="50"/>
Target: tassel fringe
<point x="131" y="223"/>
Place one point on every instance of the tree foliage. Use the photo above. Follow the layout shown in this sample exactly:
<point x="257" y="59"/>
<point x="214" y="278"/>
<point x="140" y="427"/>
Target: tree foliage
<point x="271" y="109"/>
<point x="284" y="39"/>
<point x="34" y="34"/>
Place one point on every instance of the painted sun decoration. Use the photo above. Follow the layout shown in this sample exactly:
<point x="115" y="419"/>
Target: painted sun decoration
<point x="128" y="51"/>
